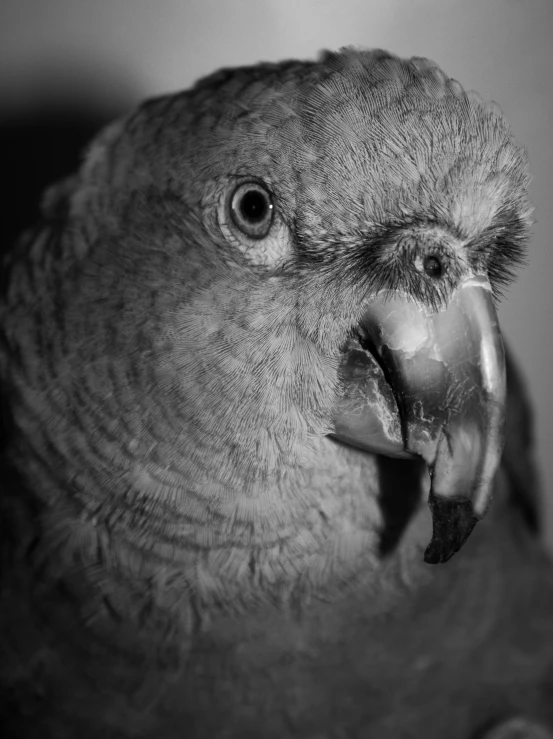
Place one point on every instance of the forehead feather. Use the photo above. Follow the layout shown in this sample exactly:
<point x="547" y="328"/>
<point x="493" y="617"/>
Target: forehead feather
<point x="361" y="137"/>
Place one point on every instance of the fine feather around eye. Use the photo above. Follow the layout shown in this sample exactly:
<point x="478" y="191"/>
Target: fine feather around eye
<point x="249" y="219"/>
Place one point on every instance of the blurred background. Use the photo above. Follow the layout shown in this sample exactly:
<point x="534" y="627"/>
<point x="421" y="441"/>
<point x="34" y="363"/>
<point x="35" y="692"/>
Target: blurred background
<point x="69" y="66"/>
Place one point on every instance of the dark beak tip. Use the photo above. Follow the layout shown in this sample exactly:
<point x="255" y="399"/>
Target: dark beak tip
<point x="452" y="521"/>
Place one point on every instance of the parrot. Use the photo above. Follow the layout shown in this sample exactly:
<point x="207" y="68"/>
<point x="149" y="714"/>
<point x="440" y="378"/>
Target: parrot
<point x="256" y="405"/>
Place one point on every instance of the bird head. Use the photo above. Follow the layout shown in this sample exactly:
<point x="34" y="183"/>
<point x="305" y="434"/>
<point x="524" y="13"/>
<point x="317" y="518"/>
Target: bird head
<point x="294" y="252"/>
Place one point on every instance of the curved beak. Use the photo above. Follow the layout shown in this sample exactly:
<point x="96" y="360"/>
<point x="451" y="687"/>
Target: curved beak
<point x="431" y="383"/>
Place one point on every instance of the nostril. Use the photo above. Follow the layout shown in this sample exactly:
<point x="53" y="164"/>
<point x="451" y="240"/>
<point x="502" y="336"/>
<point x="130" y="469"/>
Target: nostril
<point x="432" y="266"/>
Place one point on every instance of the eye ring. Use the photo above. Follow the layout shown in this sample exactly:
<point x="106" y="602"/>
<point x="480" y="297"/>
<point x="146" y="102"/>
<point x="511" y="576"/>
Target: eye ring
<point x="252" y="209"/>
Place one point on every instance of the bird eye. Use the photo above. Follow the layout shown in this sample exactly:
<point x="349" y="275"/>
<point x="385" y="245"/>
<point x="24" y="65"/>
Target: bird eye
<point x="252" y="210"/>
<point x="432" y="266"/>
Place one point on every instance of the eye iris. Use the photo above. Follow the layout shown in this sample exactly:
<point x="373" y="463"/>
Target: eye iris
<point x="251" y="210"/>
<point x="253" y="206"/>
<point x="432" y="266"/>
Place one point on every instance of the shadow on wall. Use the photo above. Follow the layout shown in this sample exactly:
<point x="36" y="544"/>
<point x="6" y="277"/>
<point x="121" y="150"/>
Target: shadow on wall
<point x="39" y="145"/>
<point x="43" y="140"/>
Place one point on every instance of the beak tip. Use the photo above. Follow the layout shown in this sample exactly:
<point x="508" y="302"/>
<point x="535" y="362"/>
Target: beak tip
<point x="452" y="523"/>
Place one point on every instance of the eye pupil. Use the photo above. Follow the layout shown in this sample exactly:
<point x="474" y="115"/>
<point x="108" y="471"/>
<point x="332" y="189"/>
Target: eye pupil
<point x="253" y="206"/>
<point x="432" y="266"/>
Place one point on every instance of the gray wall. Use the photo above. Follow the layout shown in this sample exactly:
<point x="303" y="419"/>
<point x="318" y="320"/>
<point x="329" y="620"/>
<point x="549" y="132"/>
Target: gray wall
<point x="123" y="50"/>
